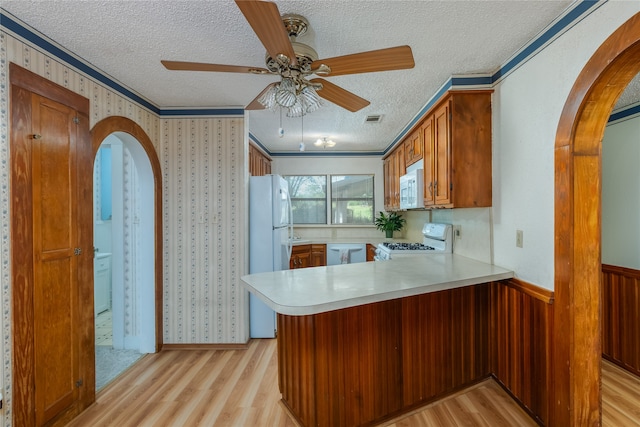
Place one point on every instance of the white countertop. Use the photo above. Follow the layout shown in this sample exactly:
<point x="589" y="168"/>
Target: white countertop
<point x="319" y="289"/>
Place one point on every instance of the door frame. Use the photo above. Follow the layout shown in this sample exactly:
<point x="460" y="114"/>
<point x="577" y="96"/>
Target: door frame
<point x="23" y="351"/>
<point x="99" y="133"/>
<point x="575" y="394"/>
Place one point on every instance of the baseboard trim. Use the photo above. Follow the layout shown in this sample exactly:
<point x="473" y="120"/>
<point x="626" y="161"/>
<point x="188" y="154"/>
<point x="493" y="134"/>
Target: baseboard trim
<point x="195" y="346"/>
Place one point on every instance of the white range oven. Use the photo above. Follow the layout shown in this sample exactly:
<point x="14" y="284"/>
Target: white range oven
<point x="438" y="239"/>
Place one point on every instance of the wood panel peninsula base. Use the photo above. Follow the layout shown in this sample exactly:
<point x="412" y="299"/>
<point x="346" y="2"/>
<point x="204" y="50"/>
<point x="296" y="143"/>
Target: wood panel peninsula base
<point x="398" y="335"/>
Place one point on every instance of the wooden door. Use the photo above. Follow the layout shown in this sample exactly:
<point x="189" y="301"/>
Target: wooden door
<point x="52" y="257"/>
<point x="441" y="153"/>
<point x="55" y="251"/>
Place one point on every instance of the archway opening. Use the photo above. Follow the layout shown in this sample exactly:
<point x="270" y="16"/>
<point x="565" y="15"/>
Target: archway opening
<point x="124" y="262"/>
<point x="577" y="333"/>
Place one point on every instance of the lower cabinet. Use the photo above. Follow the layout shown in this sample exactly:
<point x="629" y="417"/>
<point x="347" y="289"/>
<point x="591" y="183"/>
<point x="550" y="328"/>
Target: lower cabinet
<point x="318" y="255"/>
<point x="302" y="256"/>
<point x="371" y="252"/>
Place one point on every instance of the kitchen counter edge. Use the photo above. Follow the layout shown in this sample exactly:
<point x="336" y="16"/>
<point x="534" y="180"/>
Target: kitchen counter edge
<point x="321" y="289"/>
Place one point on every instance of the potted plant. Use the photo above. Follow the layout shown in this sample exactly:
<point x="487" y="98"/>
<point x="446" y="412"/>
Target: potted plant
<point x="389" y="223"/>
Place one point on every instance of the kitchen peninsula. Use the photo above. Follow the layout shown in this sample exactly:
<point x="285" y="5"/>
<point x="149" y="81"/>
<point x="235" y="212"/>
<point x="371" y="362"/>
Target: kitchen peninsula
<point x="361" y="343"/>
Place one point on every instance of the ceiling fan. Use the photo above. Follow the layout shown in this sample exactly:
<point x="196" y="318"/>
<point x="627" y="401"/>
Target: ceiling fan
<point x="295" y="62"/>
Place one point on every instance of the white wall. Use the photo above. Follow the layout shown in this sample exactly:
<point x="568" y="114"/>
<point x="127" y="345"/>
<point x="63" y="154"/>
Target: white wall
<point x="474" y="224"/>
<point x="526" y="111"/>
<point x="621" y="194"/>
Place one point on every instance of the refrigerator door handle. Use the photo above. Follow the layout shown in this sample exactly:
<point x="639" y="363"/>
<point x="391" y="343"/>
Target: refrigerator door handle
<point x="290" y="225"/>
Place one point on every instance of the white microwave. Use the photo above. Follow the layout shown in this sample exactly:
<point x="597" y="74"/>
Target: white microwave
<point x="411" y="188"/>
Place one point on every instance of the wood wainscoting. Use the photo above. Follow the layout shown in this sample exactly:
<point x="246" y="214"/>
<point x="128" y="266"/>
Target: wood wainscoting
<point x="365" y="364"/>
<point x="621" y="317"/>
<point x="521" y="343"/>
<point x="362" y="365"/>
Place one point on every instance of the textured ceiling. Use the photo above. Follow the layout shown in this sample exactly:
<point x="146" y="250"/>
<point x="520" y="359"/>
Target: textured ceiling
<point x="127" y="40"/>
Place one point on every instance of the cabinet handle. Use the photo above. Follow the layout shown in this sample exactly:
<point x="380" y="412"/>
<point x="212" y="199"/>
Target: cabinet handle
<point x="431" y="188"/>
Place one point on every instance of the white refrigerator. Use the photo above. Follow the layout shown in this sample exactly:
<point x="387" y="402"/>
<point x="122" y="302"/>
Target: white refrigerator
<point x="270" y="234"/>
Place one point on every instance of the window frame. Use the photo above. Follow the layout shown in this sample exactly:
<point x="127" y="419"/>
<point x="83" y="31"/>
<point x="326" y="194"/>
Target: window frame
<point x="329" y="200"/>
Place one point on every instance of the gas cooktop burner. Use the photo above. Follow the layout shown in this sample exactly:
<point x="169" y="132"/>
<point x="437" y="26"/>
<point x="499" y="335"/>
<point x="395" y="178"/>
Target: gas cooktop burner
<point x="408" y="247"/>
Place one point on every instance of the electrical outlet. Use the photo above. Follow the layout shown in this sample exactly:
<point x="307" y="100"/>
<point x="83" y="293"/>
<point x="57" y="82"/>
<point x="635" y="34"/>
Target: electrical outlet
<point x="519" y="238"/>
<point x="201" y="218"/>
<point x="457" y="232"/>
<point x="214" y="218"/>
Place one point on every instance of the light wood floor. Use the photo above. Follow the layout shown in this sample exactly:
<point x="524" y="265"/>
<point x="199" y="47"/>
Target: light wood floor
<point x="240" y="388"/>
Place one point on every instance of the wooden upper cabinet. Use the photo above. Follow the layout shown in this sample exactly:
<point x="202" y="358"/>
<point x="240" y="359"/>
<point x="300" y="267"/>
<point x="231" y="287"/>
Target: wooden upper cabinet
<point x="386" y="168"/>
<point x="400" y="170"/>
<point x="440" y="176"/>
<point x="457" y="151"/>
<point x="413" y="147"/>
<point x="454" y="142"/>
<point x="259" y="164"/>
<point x="394" y="167"/>
<point x="428" y="163"/>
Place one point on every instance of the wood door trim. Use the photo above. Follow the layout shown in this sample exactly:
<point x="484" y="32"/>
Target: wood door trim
<point x="577" y="345"/>
<point x="99" y="133"/>
<point x="34" y="83"/>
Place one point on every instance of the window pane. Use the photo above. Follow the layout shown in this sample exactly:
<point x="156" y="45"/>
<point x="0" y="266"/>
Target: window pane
<point x="308" y="198"/>
<point x="352" y="199"/>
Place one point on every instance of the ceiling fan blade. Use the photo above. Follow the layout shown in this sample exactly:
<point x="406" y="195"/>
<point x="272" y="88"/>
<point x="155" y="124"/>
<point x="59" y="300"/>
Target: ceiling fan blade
<point x="264" y="18"/>
<point x="393" y="58"/>
<point x="202" y="66"/>
<point x="339" y="96"/>
<point x="255" y="104"/>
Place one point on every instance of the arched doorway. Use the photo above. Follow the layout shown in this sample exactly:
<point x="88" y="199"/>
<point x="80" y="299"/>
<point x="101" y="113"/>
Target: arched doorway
<point x="142" y="148"/>
<point x="577" y="345"/>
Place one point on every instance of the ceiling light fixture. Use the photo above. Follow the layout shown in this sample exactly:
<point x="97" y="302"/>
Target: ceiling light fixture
<point x="295" y="94"/>
<point x="324" y="143"/>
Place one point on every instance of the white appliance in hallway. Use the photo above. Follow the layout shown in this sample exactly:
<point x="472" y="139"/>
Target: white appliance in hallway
<point x="270" y="236"/>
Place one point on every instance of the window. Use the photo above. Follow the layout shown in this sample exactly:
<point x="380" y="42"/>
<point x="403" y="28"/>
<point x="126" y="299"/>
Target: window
<point x="308" y="198"/>
<point x="350" y="199"/>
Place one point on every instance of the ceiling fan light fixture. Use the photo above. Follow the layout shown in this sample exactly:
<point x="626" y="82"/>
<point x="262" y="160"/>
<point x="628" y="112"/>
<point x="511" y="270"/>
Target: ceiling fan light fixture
<point x="324" y="142"/>
<point x="268" y="99"/>
<point x="310" y="99"/>
<point x="286" y="93"/>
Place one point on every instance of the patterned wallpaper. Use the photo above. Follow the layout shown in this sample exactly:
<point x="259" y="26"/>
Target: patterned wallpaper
<point x="204" y="177"/>
<point x="204" y="215"/>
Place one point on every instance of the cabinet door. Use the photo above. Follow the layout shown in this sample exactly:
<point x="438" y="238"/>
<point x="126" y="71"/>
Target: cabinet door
<point x="318" y="255"/>
<point x="428" y="161"/>
<point x="386" y="166"/>
<point x="413" y="147"/>
<point x="400" y="170"/>
<point x="371" y="252"/>
<point x="300" y="256"/>
<point x="442" y="142"/>
<point x="304" y="260"/>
